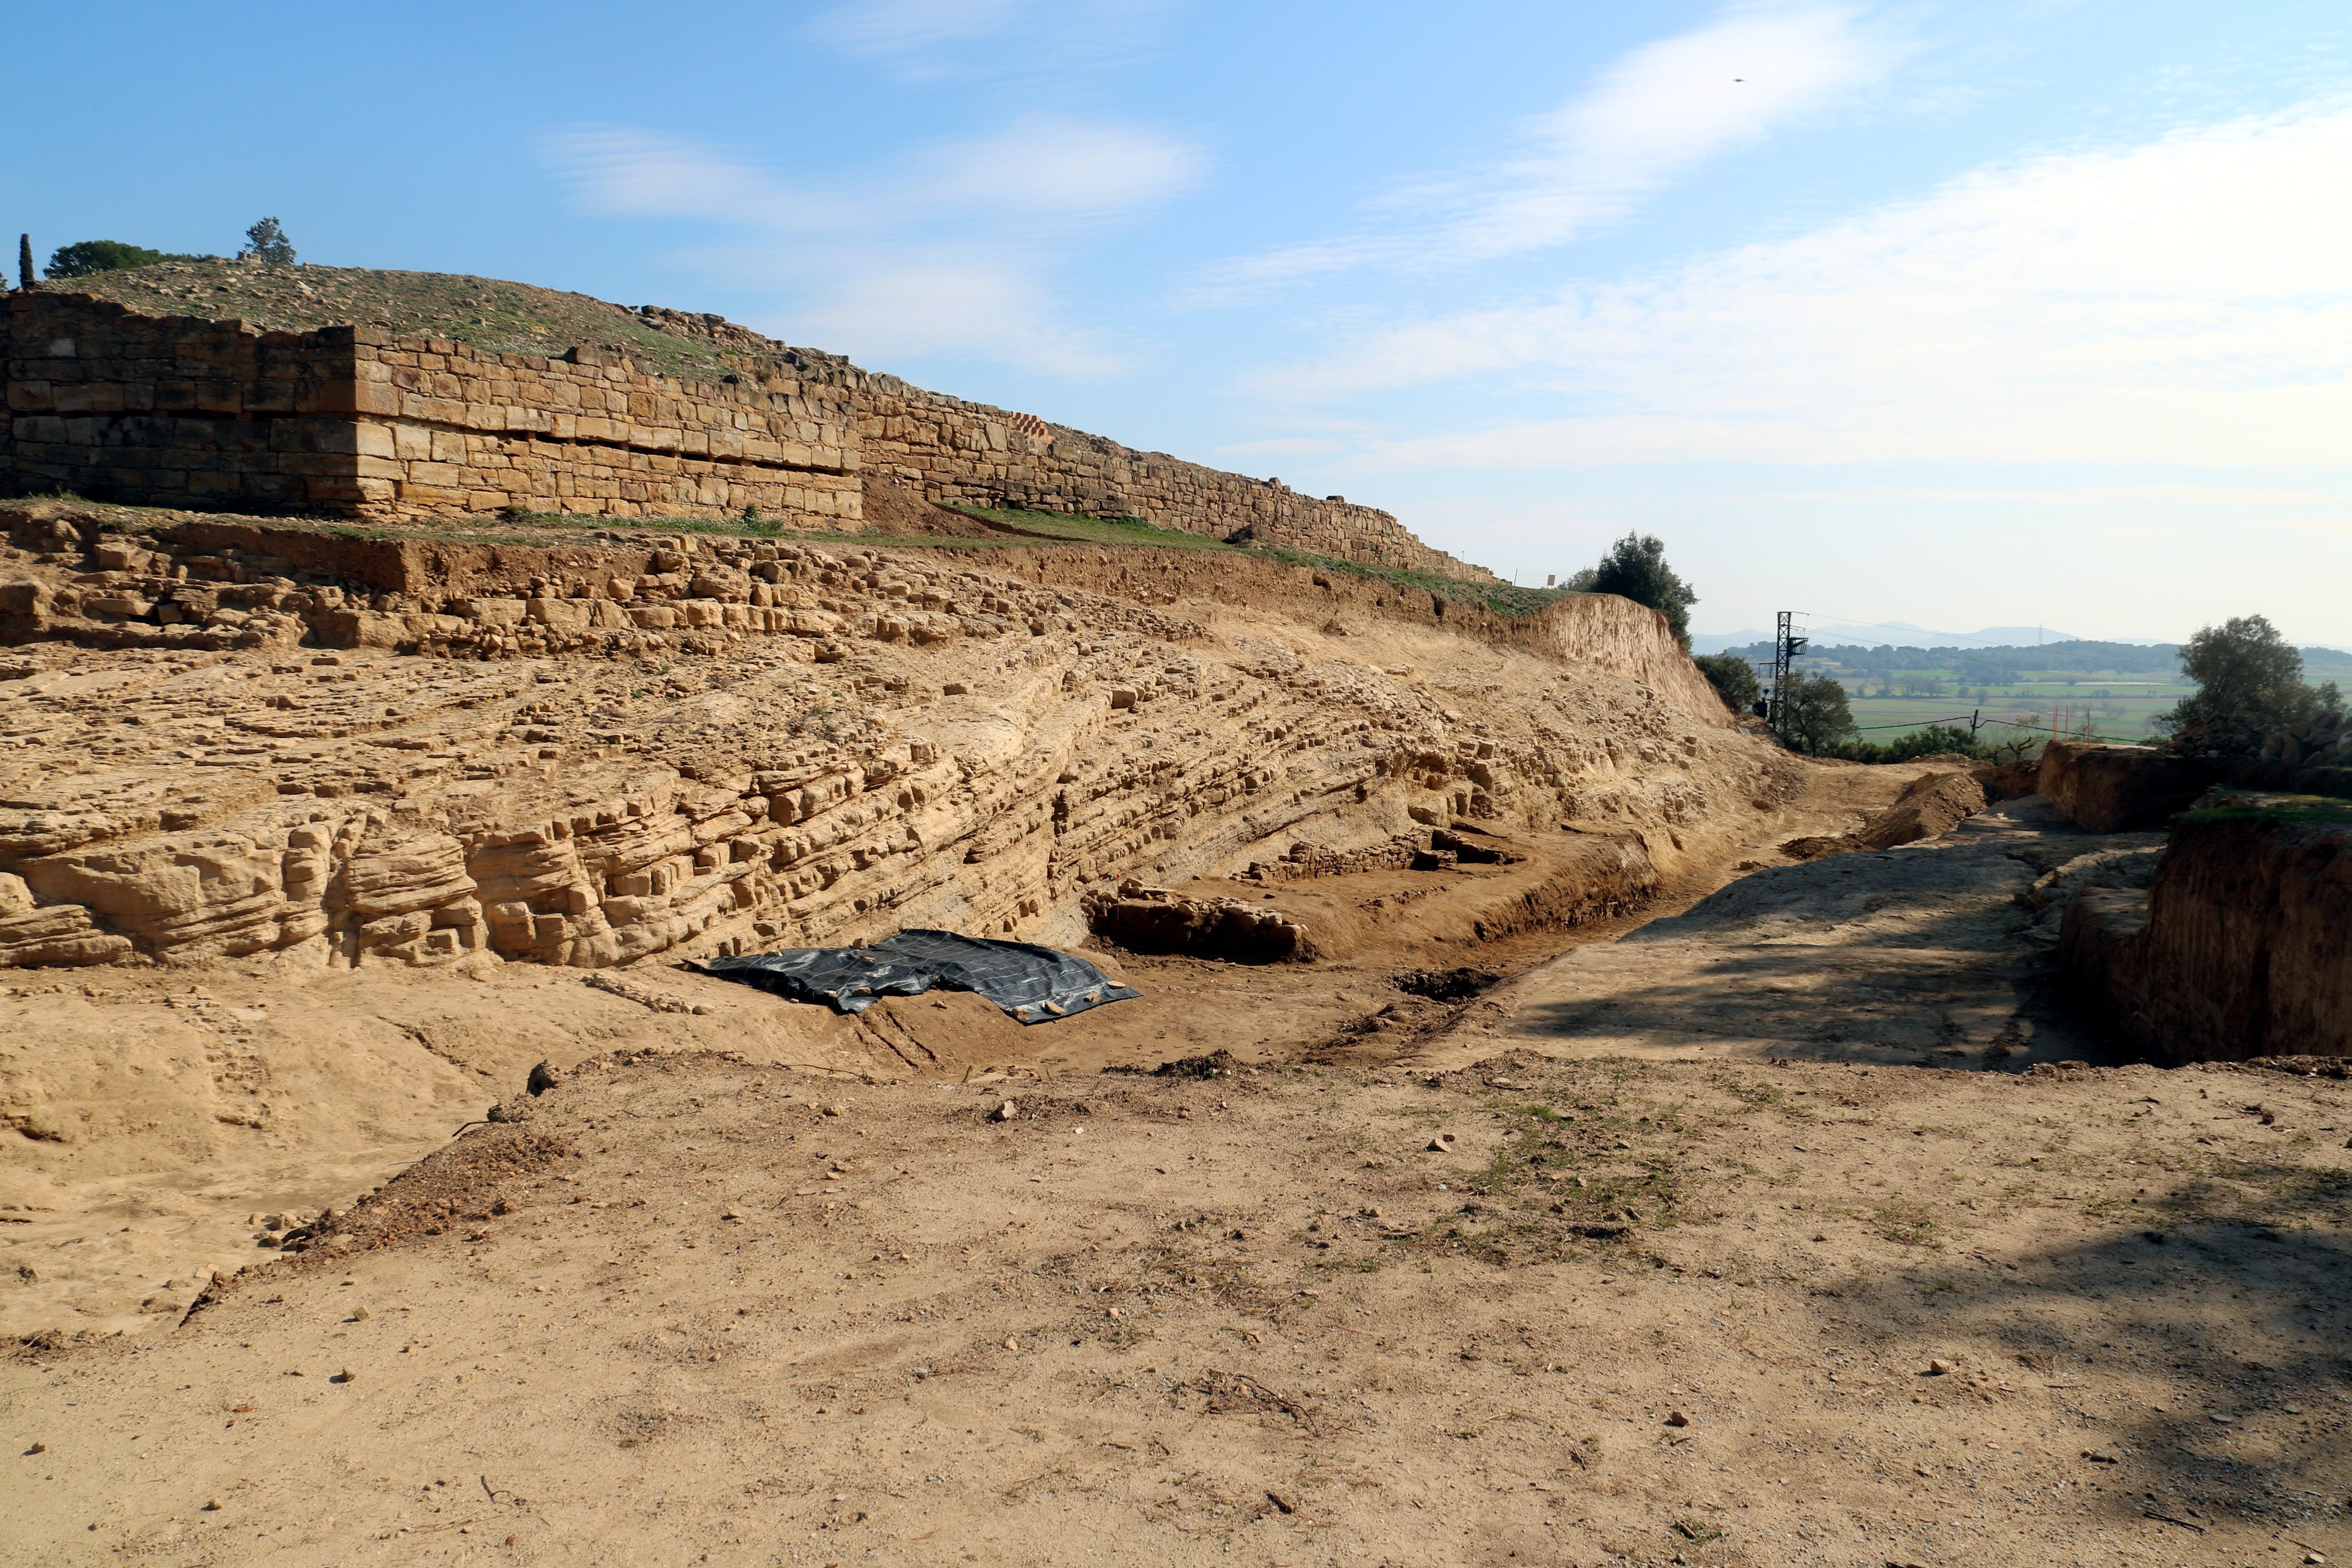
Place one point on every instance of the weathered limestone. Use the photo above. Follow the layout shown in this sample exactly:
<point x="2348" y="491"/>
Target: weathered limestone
<point x="231" y="739"/>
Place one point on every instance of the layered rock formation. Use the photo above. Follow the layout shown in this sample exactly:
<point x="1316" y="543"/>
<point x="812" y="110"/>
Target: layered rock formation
<point x="221" y="739"/>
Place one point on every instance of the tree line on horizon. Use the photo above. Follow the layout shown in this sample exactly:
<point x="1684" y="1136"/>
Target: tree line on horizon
<point x="264" y="242"/>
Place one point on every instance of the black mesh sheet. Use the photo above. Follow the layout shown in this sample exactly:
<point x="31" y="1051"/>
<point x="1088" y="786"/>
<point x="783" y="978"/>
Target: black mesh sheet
<point x="1033" y="984"/>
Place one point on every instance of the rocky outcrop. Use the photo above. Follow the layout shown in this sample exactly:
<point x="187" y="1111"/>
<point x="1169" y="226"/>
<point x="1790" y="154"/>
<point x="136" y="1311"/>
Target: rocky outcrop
<point x="2237" y="947"/>
<point x="410" y="751"/>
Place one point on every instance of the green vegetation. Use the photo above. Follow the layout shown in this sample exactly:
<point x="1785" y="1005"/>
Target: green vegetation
<point x="1734" y="680"/>
<point x="2285" y="810"/>
<point x="1061" y="527"/>
<point x="2249" y="680"/>
<point x="1814" y="717"/>
<point x="85" y="257"/>
<point x="2019" y="696"/>
<point x="1635" y="568"/>
<point x="24" y="261"/>
<point x="1066" y="528"/>
<point x="267" y="242"/>
<point x="485" y="313"/>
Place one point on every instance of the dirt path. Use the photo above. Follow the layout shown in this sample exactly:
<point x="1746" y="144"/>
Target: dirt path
<point x="1938" y="952"/>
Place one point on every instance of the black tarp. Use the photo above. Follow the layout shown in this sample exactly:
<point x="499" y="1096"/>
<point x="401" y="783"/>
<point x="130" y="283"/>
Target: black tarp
<point x="1033" y="984"/>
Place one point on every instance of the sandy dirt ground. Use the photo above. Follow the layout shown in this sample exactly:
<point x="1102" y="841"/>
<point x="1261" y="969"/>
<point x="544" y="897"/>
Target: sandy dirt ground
<point x="173" y="1111"/>
<point x="1941" y="952"/>
<point x="1543" y="1277"/>
<point x="1576" y="1311"/>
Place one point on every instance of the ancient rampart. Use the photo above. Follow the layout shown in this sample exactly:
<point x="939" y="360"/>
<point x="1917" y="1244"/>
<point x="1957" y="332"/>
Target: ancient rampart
<point x="960" y="451"/>
<point x="355" y="421"/>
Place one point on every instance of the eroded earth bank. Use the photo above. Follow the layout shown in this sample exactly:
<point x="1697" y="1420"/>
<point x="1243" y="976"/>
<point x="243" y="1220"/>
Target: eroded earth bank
<point x="1632" y="1144"/>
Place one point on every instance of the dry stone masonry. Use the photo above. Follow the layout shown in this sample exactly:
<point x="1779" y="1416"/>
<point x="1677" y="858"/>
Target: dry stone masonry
<point x="351" y="421"/>
<point x="356" y="422"/>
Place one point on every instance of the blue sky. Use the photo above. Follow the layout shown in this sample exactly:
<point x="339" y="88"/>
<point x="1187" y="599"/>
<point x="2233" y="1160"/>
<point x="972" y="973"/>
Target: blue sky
<point x="2011" y="311"/>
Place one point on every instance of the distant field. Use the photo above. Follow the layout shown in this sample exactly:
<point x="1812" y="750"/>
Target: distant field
<point x="2116" y="717"/>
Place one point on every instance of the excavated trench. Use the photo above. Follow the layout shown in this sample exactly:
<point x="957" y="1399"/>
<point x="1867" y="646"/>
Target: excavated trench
<point x="308" y="841"/>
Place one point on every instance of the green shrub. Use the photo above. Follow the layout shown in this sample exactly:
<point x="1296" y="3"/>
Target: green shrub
<point x="1815" y="717"/>
<point x="1734" y="680"/>
<point x="83" y="257"/>
<point x="1635" y="568"/>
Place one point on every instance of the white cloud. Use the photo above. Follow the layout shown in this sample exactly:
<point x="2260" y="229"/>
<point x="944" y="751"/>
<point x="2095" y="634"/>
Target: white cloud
<point x="1645" y="122"/>
<point x="949" y="251"/>
<point x="2179" y="301"/>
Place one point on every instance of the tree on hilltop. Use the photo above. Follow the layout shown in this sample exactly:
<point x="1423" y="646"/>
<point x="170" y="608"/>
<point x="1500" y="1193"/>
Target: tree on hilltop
<point x="1635" y="568"/>
<point x="24" y="261"/>
<point x="266" y="242"/>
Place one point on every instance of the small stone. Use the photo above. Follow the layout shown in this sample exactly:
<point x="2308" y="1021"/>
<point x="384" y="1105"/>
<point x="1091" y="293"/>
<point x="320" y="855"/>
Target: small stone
<point x="359" y="1315"/>
<point x="1007" y="1111"/>
<point x="1676" y="1418"/>
<point x="39" y="1448"/>
<point x="346" y="1376"/>
<point x="1440" y="1144"/>
<point x="212" y="1505"/>
<point x="836" y="1111"/>
<point x="732" y="1214"/>
<point x="2221" y="1420"/>
<point x="1012" y="1344"/>
<point x="1938" y="1368"/>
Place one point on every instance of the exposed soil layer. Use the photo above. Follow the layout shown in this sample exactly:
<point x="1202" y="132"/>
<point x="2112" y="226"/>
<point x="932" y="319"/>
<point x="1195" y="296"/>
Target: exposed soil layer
<point x="1942" y="952"/>
<point x="1537" y="1310"/>
<point x="337" y="831"/>
<point x="2237" y="948"/>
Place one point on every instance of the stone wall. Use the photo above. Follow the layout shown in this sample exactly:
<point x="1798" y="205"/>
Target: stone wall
<point x="444" y="428"/>
<point x="354" y="421"/>
<point x="351" y="421"/>
<point x="173" y="411"/>
<point x="960" y="451"/>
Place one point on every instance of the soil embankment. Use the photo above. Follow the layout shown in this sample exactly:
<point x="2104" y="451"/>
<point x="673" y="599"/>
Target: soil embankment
<point x="340" y="835"/>
<point x="2237" y="947"/>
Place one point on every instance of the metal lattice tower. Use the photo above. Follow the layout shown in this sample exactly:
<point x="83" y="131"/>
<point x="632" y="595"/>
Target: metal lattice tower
<point x="1786" y="646"/>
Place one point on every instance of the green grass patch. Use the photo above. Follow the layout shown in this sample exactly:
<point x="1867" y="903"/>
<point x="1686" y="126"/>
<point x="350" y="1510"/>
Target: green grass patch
<point x="1077" y="528"/>
<point x="2281" y="810"/>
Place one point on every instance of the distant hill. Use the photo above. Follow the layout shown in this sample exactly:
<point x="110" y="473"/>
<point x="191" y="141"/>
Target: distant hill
<point x="1900" y="634"/>
<point x="1979" y="665"/>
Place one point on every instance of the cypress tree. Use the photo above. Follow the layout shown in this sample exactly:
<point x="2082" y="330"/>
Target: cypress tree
<point x="24" y="261"/>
